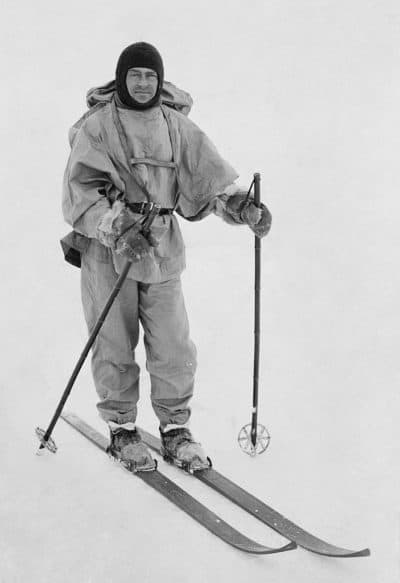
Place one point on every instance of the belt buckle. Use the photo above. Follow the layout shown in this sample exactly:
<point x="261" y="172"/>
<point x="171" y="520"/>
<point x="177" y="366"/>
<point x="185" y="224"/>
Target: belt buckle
<point x="154" y="207"/>
<point x="149" y="206"/>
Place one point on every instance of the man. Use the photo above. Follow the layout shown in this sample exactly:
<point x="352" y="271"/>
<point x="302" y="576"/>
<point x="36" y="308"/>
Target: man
<point x="127" y="152"/>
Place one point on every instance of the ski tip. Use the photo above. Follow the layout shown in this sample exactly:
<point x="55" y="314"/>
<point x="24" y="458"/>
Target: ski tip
<point x="257" y="549"/>
<point x="363" y="553"/>
<point x="338" y="553"/>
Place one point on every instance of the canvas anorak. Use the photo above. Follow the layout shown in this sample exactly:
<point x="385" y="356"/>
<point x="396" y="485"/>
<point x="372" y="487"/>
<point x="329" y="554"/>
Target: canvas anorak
<point x="99" y="171"/>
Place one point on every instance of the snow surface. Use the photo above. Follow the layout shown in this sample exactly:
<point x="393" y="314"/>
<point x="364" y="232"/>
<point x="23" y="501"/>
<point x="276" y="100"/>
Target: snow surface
<point x="305" y="92"/>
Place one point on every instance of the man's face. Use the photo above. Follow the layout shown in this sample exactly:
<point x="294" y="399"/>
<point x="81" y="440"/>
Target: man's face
<point x="141" y="83"/>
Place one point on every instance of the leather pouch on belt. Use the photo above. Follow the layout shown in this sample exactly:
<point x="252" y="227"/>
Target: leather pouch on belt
<point x="73" y="245"/>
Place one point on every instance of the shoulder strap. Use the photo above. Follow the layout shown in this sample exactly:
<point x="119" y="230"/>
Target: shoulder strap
<point x="173" y="148"/>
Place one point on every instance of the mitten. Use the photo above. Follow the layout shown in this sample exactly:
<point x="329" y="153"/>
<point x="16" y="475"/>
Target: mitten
<point x="120" y="229"/>
<point x="133" y="245"/>
<point x="242" y="209"/>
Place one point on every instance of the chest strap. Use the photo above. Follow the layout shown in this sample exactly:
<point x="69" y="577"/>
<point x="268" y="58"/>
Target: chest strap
<point x="152" y="162"/>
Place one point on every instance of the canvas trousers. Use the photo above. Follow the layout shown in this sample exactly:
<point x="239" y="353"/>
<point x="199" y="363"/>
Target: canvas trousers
<point x="170" y="354"/>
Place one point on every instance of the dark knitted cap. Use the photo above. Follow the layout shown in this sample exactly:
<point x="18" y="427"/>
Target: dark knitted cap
<point x="138" y="55"/>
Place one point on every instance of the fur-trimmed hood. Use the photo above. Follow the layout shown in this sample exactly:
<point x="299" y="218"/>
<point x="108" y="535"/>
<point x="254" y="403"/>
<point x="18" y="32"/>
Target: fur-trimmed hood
<point x="171" y="96"/>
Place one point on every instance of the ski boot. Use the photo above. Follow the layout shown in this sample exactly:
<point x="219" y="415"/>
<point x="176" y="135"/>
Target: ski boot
<point x="179" y="448"/>
<point x="127" y="447"/>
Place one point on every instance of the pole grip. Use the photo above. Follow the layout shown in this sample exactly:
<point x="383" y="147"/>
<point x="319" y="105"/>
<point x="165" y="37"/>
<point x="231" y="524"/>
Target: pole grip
<point x="257" y="189"/>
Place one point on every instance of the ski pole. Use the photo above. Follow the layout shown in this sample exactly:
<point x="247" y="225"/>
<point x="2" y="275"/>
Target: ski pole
<point x="254" y="438"/>
<point x="257" y="293"/>
<point x="45" y="436"/>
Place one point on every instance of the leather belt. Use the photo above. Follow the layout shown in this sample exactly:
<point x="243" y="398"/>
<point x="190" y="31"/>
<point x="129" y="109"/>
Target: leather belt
<point x="144" y="208"/>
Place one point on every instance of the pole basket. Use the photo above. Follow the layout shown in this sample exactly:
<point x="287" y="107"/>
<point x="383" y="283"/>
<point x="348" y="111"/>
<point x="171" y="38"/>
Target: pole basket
<point x="254" y="445"/>
<point x="48" y="444"/>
